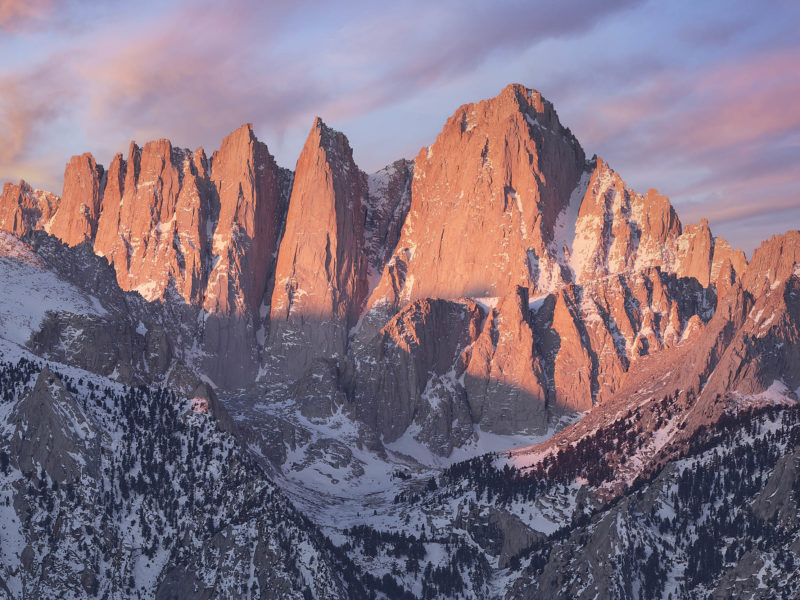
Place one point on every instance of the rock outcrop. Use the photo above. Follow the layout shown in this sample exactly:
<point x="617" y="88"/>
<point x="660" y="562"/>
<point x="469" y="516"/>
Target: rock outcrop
<point x="138" y="229"/>
<point x="774" y="261"/>
<point x="412" y="373"/>
<point x="75" y="221"/>
<point x="251" y="212"/>
<point x="23" y="209"/>
<point x="485" y="200"/>
<point x="321" y="274"/>
<point x="388" y="201"/>
<point x="505" y="381"/>
<point x="618" y="230"/>
<point x="53" y="433"/>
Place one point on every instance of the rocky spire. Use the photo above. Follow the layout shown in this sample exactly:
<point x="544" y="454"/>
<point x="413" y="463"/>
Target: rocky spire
<point x="247" y="232"/>
<point x="321" y="275"/>
<point x="75" y="221"/>
<point x="23" y="209"/>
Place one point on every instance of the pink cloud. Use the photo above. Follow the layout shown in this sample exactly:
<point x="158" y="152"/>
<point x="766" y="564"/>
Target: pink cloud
<point x="27" y="103"/>
<point x="718" y="134"/>
<point x="723" y="139"/>
<point x="16" y="15"/>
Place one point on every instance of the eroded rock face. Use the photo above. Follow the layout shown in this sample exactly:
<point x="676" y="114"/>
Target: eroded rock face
<point x="388" y="201"/>
<point x="772" y="262"/>
<point x="75" y="221"/>
<point x="251" y="213"/>
<point x="23" y="209"/>
<point x="321" y="274"/>
<point x="169" y="218"/>
<point x="54" y="433"/>
<point x="618" y="230"/>
<point x="152" y="227"/>
<point x="485" y="200"/>
<point x="413" y="371"/>
<point x="505" y="381"/>
<point x="594" y="334"/>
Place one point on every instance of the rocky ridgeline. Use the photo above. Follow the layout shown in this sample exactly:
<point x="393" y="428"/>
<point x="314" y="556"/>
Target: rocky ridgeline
<point x="556" y="277"/>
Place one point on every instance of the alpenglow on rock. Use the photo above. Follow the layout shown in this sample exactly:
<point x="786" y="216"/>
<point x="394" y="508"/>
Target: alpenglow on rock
<point x="321" y="275"/>
<point x="281" y="277"/>
<point x="485" y="200"/>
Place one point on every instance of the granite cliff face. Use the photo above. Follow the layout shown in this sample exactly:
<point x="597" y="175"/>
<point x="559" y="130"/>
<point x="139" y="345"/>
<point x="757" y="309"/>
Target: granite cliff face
<point x="75" y="221"/>
<point x="23" y="209"/>
<point x="297" y="275"/>
<point x="321" y="274"/>
<point x="485" y="201"/>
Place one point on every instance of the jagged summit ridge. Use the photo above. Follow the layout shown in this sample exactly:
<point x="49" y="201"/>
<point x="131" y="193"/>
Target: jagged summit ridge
<point x="291" y="268"/>
<point x="484" y="201"/>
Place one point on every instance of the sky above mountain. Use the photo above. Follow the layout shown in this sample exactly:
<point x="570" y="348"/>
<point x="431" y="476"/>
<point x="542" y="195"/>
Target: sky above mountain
<point x="696" y="99"/>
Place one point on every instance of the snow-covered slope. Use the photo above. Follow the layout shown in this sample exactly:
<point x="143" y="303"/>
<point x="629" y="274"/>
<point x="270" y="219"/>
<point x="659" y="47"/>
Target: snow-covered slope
<point x="29" y="291"/>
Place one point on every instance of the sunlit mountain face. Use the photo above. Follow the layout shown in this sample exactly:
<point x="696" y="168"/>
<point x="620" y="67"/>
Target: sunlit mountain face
<point x="551" y="351"/>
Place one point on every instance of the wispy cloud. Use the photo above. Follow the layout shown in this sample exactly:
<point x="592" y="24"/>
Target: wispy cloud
<point x="16" y="15"/>
<point x="723" y="140"/>
<point x="196" y="71"/>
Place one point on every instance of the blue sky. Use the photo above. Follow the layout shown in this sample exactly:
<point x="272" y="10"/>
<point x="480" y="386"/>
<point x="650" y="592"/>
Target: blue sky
<point x="696" y="99"/>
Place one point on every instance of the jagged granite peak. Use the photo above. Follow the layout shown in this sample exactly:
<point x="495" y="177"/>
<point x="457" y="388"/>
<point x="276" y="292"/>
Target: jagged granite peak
<point x="726" y="260"/>
<point x="656" y="339"/>
<point x="169" y="218"/>
<point x="321" y="273"/>
<point x="618" y="230"/>
<point x="76" y="220"/>
<point x="138" y="229"/>
<point x="251" y="212"/>
<point x="773" y="261"/>
<point x="24" y="209"/>
<point x="484" y="202"/>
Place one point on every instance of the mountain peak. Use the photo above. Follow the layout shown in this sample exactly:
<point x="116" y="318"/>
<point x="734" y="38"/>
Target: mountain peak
<point x="24" y="209"/>
<point x="334" y="143"/>
<point x="489" y="190"/>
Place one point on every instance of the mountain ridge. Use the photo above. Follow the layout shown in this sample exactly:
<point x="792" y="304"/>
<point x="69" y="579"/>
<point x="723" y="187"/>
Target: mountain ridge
<point x="446" y="379"/>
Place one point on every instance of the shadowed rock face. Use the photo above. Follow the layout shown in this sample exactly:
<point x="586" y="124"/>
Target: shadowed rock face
<point x="54" y="433"/>
<point x="412" y="372"/>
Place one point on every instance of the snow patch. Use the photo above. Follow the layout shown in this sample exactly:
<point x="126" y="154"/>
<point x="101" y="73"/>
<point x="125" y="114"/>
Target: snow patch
<point x="28" y="292"/>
